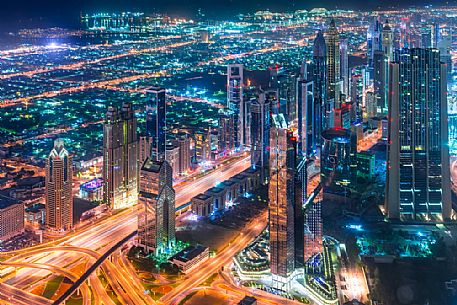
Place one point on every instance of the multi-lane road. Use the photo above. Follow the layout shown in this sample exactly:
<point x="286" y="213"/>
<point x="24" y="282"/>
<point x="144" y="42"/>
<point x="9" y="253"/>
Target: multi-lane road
<point x="99" y="237"/>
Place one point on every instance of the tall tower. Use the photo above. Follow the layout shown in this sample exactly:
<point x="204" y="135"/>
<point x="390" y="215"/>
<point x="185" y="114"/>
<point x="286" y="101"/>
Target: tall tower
<point x="183" y="142"/>
<point x="226" y="141"/>
<point x="260" y="134"/>
<point x="373" y="43"/>
<point x="332" y="41"/>
<point x="308" y="118"/>
<point x="156" y="215"/>
<point x="380" y="81"/>
<point x="418" y="171"/>
<point x="120" y="158"/>
<point x="319" y="78"/>
<point x="344" y="66"/>
<point x="284" y="203"/>
<point x="236" y="102"/>
<point x="155" y="121"/>
<point x="59" y="195"/>
<point x="387" y="41"/>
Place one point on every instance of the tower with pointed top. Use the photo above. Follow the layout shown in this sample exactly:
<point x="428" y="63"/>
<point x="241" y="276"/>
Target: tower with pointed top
<point x="59" y="196"/>
<point x="120" y="157"/>
<point x="332" y="41"/>
<point x="319" y="72"/>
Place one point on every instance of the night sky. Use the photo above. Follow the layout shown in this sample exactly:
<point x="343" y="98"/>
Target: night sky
<point x="65" y="13"/>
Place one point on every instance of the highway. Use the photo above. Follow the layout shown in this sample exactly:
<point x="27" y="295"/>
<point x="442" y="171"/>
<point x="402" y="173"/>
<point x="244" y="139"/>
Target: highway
<point x="223" y="258"/>
<point x="100" y="236"/>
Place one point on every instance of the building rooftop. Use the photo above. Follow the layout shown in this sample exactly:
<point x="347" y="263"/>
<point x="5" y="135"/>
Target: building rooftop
<point x="248" y="301"/>
<point x="151" y="165"/>
<point x="215" y="190"/>
<point x="92" y="184"/>
<point x="202" y="196"/>
<point x="6" y="202"/>
<point x="189" y="253"/>
<point x="229" y="182"/>
<point x="35" y="208"/>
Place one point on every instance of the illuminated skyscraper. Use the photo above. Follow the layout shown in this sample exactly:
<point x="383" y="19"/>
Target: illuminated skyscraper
<point x="59" y="195"/>
<point x="236" y="102"/>
<point x="333" y="76"/>
<point x="155" y="121"/>
<point x="285" y="205"/>
<point x="380" y="81"/>
<point x="183" y="142"/>
<point x="319" y="71"/>
<point x="156" y="215"/>
<point x="387" y="41"/>
<point x="418" y="175"/>
<point x="308" y="118"/>
<point x="344" y="66"/>
<point x="226" y="134"/>
<point x="120" y="158"/>
<point x="260" y="134"/>
<point x="373" y="43"/>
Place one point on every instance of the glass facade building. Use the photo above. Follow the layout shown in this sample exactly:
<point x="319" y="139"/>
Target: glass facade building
<point x="418" y="176"/>
<point x="156" y="210"/>
<point x="155" y="121"/>
<point x="120" y="157"/>
<point x="285" y="204"/>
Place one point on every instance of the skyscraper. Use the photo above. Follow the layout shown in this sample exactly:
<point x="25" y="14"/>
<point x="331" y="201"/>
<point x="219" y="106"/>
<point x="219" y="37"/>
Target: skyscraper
<point x="344" y="66"/>
<point x="418" y="173"/>
<point x="120" y="158"/>
<point x="226" y="134"/>
<point x="333" y="76"/>
<point x="59" y="195"/>
<point x="380" y="81"/>
<point x="236" y="102"/>
<point x="155" y="121"/>
<point x="319" y="71"/>
<point x="387" y="41"/>
<point x="308" y="118"/>
<point x="183" y="142"/>
<point x="284" y="203"/>
<point x="260" y="134"/>
<point x="156" y="215"/>
<point x="373" y="43"/>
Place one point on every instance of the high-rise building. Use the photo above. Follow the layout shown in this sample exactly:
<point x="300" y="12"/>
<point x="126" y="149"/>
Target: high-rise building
<point x="344" y="66"/>
<point x="313" y="229"/>
<point x="285" y="210"/>
<point x="260" y="134"/>
<point x="308" y="118"/>
<point x="172" y="157"/>
<point x="387" y="41"/>
<point x="380" y="81"/>
<point x="373" y="43"/>
<point x="155" y="121"/>
<point x="59" y="194"/>
<point x="156" y="215"/>
<point x="120" y="157"/>
<point x="144" y="149"/>
<point x="319" y="70"/>
<point x="333" y="75"/>
<point x="183" y="142"/>
<point x="203" y="145"/>
<point x="418" y="174"/>
<point x="226" y="134"/>
<point x="11" y="218"/>
<point x="237" y="103"/>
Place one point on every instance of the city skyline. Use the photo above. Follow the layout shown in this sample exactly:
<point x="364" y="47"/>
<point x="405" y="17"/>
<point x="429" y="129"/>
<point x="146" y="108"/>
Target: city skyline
<point x="281" y="154"/>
